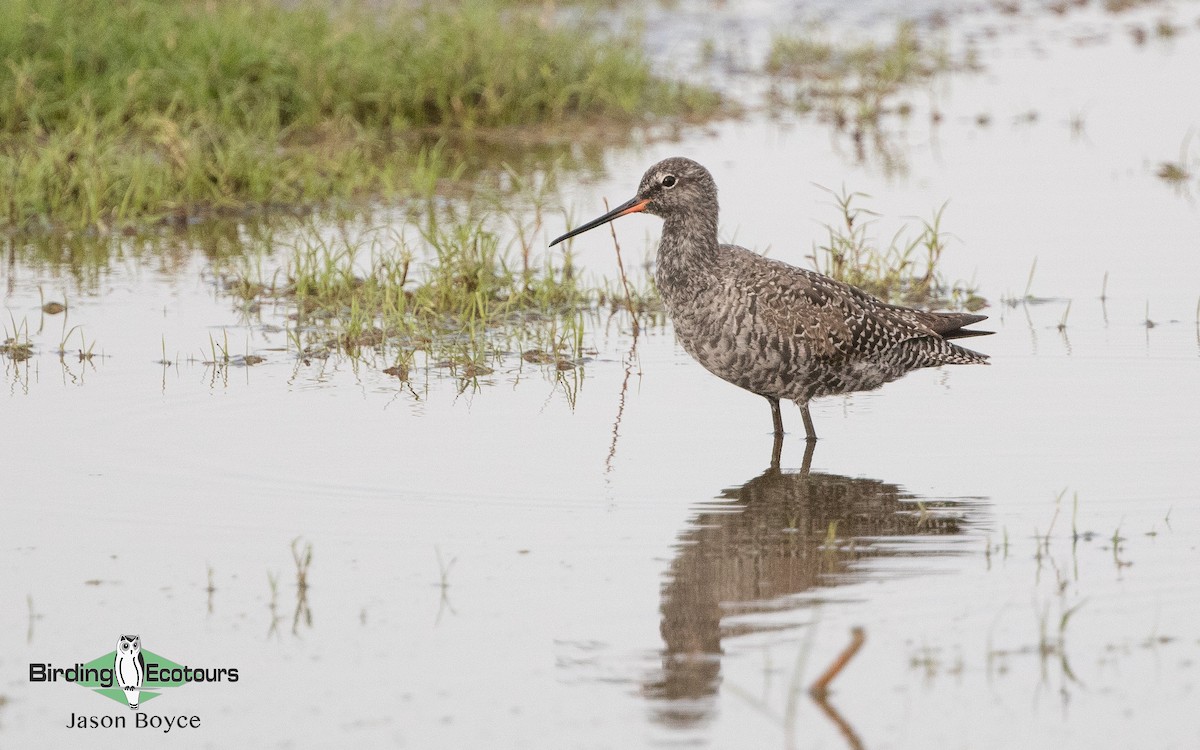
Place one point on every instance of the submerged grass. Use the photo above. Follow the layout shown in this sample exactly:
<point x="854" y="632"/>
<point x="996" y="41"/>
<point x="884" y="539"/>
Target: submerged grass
<point x="1178" y="173"/>
<point x="865" y="74"/>
<point x="879" y="66"/>
<point x="112" y="112"/>
<point x="855" y="86"/>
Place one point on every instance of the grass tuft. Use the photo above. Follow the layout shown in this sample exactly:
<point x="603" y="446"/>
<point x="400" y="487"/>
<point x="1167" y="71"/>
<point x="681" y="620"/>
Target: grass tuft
<point x="904" y="272"/>
<point x="452" y="294"/>
<point x="16" y="344"/>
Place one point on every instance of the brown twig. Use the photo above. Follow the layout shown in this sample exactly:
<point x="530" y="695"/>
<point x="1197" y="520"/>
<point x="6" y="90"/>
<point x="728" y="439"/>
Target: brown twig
<point x="621" y="268"/>
<point x="843" y="726"/>
<point x="820" y="688"/>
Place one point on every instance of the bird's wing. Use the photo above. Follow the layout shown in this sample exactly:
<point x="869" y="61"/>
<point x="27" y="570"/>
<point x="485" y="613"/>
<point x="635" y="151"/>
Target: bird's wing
<point x="829" y="319"/>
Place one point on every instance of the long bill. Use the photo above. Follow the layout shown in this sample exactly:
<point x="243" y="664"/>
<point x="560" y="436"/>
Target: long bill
<point x="631" y="206"/>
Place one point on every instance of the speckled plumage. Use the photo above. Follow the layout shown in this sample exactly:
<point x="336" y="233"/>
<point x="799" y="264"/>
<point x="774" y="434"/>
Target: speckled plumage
<point x="782" y="332"/>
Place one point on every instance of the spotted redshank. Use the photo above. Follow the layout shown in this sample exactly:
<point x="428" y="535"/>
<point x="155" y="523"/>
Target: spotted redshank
<point x="776" y="330"/>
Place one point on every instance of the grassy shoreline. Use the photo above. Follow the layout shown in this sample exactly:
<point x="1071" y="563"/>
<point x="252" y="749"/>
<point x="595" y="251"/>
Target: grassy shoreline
<point x="118" y="113"/>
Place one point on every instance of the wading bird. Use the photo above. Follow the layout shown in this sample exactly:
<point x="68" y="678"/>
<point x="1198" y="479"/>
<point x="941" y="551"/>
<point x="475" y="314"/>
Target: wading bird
<point x="776" y="330"/>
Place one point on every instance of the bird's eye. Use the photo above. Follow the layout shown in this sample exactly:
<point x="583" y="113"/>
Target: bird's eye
<point x="669" y="181"/>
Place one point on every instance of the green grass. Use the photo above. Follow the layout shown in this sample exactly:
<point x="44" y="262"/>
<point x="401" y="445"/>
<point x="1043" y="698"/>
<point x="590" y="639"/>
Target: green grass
<point x="905" y="271"/>
<point x="113" y="111"/>
<point x="458" y="288"/>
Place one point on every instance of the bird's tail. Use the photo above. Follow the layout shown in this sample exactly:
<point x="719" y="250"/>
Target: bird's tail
<point x="953" y="354"/>
<point x="931" y="352"/>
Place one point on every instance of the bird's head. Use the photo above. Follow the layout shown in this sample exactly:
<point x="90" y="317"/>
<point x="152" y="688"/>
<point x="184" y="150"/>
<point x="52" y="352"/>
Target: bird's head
<point x="674" y="187"/>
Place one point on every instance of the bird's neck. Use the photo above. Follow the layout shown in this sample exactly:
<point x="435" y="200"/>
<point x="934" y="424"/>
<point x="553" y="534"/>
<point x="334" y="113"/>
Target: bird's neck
<point x="687" y="254"/>
<point x="689" y="242"/>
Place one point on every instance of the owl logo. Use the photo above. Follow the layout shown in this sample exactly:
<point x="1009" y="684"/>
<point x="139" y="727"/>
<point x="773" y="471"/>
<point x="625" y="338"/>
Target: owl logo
<point x="130" y="668"/>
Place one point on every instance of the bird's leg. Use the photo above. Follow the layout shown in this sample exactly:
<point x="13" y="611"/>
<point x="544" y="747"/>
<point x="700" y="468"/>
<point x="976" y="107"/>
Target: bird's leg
<point x="776" y="416"/>
<point x="777" y="451"/>
<point x="809" y="447"/>
<point x="808" y="425"/>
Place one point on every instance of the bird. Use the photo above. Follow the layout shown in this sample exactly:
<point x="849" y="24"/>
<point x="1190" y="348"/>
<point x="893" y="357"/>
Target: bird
<point x="130" y="668"/>
<point x="779" y="331"/>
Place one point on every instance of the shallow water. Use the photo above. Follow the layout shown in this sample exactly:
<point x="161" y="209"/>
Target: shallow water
<point x="612" y="561"/>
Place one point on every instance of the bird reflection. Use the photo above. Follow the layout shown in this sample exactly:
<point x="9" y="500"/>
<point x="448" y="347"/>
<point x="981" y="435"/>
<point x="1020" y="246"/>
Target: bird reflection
<point x="753" y="548"/>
